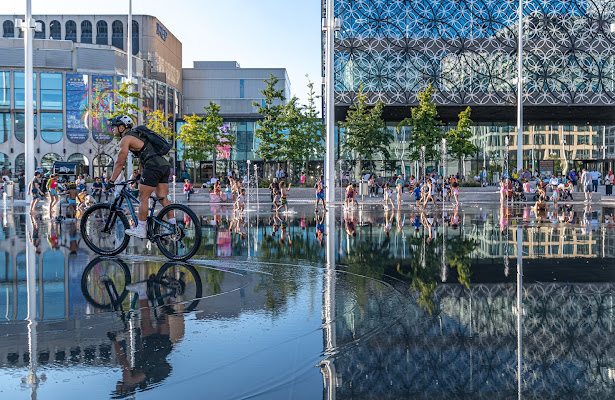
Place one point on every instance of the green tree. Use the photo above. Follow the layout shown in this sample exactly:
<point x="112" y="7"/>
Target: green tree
<point x="269" y="131"/>
<point x="305" y="128"/>
<point x="365" y="132"/>
<point x="100" y="138"/>
<point x="427" y="126"/>
<point x="126" y="100"/>
<point x="458" y="140"/>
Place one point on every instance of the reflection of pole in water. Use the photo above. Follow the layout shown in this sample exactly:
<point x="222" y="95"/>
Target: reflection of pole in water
<point x="256" y="185"/>
<point x="443" y="269"/>
<point x="249" y="184"/>
<point x="32" y="379"/>
<point x="327" y="367"/>
<point x="519" y="308"/>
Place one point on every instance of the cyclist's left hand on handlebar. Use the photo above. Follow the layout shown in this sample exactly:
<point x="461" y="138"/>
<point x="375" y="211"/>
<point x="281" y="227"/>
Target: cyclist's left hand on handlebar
<point x="110" y="186"/>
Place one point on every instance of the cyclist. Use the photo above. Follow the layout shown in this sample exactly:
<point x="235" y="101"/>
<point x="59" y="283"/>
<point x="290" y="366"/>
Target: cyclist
<point x="155" y="170"/>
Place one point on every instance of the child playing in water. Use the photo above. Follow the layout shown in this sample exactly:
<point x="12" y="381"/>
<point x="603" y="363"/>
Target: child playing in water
<point x="241" y="200"/>
<point x="388" y="197"/>
<point x="72" y="199"/>
<point x="399" y="192"/>
<point x="283" y="194"/>
<point x="455" y="190"/>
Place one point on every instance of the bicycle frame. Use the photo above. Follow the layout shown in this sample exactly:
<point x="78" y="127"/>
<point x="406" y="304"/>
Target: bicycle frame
<point x="117" y="205"/>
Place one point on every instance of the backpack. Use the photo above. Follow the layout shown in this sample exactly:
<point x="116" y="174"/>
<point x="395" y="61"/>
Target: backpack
<point x="158" y="145"/>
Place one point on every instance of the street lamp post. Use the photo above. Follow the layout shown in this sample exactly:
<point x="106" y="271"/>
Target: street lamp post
<point x="129" y="161"/>
<point x="520" y="88"/>
<point x="330" y="24"/>
<point x="28" y="26"/>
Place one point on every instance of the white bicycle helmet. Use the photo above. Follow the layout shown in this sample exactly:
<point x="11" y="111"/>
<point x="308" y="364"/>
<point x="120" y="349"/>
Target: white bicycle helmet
<point x="121" y="120"/>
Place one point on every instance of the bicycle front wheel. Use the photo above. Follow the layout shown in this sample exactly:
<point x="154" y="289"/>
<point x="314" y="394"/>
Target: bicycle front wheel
<point x="104" y="281"/>
<point x="181" y="240"/>
<point x="103" y="230"/>
<point x="178" y="282"/>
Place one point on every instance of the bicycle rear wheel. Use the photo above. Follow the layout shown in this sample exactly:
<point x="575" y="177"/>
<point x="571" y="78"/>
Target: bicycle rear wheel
<point x="104" y="282"/>
<point x="181" y="240"/>
<point x="107" y="242"/>
<point x="178" y="282"/>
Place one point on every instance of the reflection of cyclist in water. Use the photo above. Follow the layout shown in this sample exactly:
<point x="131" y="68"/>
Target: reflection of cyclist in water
<point x="146" y="364"/>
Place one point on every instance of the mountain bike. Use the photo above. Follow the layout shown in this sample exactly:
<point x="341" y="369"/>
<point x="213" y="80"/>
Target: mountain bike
<point x="103" y="226"/>
<point x="106" y="282"/>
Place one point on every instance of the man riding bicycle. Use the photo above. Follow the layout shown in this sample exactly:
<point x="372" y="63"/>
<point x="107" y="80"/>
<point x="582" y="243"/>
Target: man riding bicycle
<point x="155" y="170"/>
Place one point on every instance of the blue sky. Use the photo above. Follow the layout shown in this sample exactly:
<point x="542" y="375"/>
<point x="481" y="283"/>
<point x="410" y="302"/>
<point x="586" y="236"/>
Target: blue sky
<point x="256" y="33"/>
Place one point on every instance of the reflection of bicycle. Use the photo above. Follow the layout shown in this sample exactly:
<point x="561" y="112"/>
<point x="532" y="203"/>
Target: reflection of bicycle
<point x="105" y="280"/>
<point x="103" y="226"/>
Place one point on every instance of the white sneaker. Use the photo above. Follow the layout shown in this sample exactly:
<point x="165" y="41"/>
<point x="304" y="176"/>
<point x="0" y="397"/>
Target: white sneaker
<point x="137" y="232"/>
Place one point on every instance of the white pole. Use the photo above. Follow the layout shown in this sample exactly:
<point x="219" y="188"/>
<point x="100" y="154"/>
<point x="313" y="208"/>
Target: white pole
<point x="28" y="27"/>
<point x="520" y="89"/>
<point x="329" y="26"/>
<point x="129" y="162"/>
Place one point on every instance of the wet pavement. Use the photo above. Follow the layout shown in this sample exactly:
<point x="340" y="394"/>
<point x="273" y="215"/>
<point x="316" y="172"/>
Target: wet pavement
<point x="354" y="304"/>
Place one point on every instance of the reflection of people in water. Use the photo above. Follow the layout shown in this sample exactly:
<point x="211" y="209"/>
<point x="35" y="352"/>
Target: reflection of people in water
<point x="159" y="331"/>
<point x="388" y="225"/>
<point x="350" y="222"/>
<point x="35" y="238"/>
<point x="284" y="231"/>
<point x="454" y="221"/>
<point x="73" y="241"/>
<point x="428" y="223"/>
<point x="400" y="220"/>
<point x="55" y="235"/>
<point x="320" y="228"/>
<point x="237" y="225"/>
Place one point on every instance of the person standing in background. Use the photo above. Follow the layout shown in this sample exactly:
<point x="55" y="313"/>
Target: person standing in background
<point x="608" y="182"/>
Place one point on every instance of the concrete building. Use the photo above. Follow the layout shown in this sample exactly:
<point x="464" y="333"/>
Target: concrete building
<point x="234" y="89"/>
<point x="76" y="59"/>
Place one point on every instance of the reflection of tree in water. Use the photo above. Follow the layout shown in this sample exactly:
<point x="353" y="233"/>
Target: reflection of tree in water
<point x="214" y="279"/>
<point x="422" y="267"/>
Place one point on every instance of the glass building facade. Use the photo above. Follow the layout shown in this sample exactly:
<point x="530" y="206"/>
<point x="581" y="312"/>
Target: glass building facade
<point x="467" y="51"/>
<point x="69" y="125"/>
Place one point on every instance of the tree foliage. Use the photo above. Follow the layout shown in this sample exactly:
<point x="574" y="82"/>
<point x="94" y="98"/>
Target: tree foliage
<point x="269" y="131"/>
<point x="427" y="126"/>
<point x="365" y="132"/>
<point x="458" y="140"/>
<point x="126" y="100"/>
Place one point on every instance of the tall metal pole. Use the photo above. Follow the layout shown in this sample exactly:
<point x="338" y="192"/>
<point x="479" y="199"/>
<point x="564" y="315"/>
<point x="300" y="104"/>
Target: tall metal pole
<point x="28" y="26"/>
<point x="520" y="89"/>
<point x="519" y="309"/>
<point x="129" y="162"/>
<point x="329" y="27"/>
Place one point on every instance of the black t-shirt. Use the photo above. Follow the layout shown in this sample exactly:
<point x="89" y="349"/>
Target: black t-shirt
<point x="36" y="182"/>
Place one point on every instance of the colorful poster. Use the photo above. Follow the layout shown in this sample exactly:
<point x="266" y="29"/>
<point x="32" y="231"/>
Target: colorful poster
<point x="102" y="106"/>
<point x="77" y="108"/>
<point x="224" y="151"/>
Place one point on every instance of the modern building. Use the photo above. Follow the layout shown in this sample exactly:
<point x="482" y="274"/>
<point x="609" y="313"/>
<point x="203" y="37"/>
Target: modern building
<point x="234" y="89"/>
<point x="468" y="53"/>
<point x="78" y="59"/>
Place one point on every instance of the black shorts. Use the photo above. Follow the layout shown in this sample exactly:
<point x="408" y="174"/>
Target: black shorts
<point x="154" y="175"/>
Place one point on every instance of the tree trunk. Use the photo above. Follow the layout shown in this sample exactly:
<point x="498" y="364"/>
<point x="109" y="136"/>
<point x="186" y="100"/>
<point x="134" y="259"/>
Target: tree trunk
<point x="213" y="166"/>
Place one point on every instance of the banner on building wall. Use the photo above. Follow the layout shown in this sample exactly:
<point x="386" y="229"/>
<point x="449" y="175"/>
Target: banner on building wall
<point x="224" y="151"/>
<point x="77" y="108"/>
<point x="102" y="106"/>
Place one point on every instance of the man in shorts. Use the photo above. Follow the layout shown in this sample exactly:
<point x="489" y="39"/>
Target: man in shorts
<point x="586" y="184"/>
<point x="155" y="170"/>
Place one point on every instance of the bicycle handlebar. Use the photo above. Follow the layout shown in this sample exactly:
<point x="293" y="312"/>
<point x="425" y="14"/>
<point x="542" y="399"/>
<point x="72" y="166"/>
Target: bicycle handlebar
<point x="126" y="183"/>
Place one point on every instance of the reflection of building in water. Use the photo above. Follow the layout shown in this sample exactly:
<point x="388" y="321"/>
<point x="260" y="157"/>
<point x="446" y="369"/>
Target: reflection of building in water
<point x="468" y="346"/>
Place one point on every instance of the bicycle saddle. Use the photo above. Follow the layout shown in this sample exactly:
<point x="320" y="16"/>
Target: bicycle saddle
<point x="156" y="198"/>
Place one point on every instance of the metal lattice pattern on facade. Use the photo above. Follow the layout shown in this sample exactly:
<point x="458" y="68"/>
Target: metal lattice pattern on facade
<point x="467" y="49"/>
<point x="468" y="347"/>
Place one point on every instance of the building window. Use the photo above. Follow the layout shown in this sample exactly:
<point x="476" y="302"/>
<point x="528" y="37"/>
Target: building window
<point x="241" y="89"/>
<point x="20" y="126"/>
<point x="55" y="30"/>
<point x="86" y="32"/>
<point x="583" y="139"/>
<point x="48" y="160"/>
<point x="41" y="34"/>
<point x="5" y="127"/>
<point x="82" y="163"/>
<point x="5" y="89"/>
<point x="135" y="38"/>
<point x="71" y="31"/>
<point x="51" y="127"/>
<point x="102" y="164"/>
<point x="117" y="38"/>
<point x="540" y="138"/>
<point x="51" y="91"/>
<point x="5" y="162"/>
<point x="102" y="35"/>
<point x="19" y="82"/>
<point x="8" y="29"/>
<point x="20" y="163"/>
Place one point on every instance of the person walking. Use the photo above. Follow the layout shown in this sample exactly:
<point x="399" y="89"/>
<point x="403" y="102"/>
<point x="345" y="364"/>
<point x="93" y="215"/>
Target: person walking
<point x="21" y="182"/>
<point x="302" y="180"/>
<point x="483" y="177"/>
<point x="572" y="175"/>
<point x="595" y="180"/>
<point x="188" y="189"/>
<point x="34" y="189"/>
<point x="586" y="184"/>
<point x="608" y="182"/>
